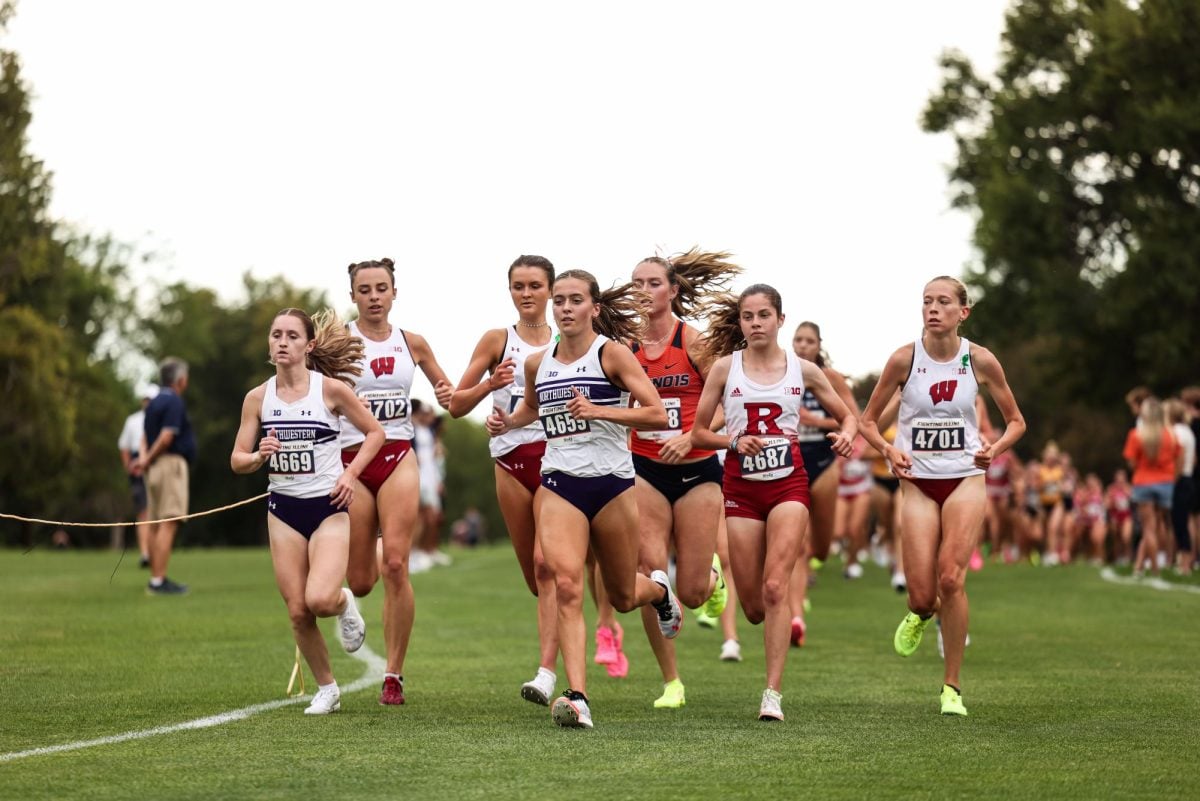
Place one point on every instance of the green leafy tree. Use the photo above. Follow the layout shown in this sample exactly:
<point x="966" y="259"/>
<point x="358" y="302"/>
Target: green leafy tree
<point x="1080" y="160"/>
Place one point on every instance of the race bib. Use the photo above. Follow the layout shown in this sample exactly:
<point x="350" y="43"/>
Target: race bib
<point x="561" y="428"/>
<point x="939" y="437"/>
<point x="515" y="396"/>
<point x="293" y="458"/>
<point x="773" y="462"/>
<point x="674" y="427"/>
<point x="388" y="405"/>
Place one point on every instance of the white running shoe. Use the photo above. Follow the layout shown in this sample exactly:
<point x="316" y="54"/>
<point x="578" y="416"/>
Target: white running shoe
<point x="772" y="705"/>
<point x="571" y="711"/>
<point x="941" y="645"/>
<point x="731" y="651"/>
<point x="352" y="629"/>
<point x="670" y="613"/>
<point x="418" y="562"/>
<point x="328" y="699"/>
<point x="439" y="558"/>
<point x="854" y="571"/>
<point x="540" y="689"/>
<point x="898" y="583"/>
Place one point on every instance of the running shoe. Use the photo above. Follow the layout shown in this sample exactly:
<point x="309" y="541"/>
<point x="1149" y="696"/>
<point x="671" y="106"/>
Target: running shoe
<point x="952" y="703"/>
<point x="327" y="699"/>
<point x="606" y="650"/>
<point x="853" y="571"/>
<point x="908" y="633"/>
<point x="731" y="651"/>
<point x="571" y="711"/>
<point x="620" y="668"/>
<point x="352" y="629"/>
<point x="167" y="587"/>
<point x="540" y="689"/>
<point x="703" y="620"/>
<point x="715" y="604"/>
<point x="771" y="708"/>
<point x="898" y="582"/>
<point x="942" y="646"/>
<point x="393" y="691"/>
<point x="144" y="563"/>
<point x="798" y="631"/>
<point x="670" y="613"/>
<point x="672" y="697"/>
<point x="976" y="562"/>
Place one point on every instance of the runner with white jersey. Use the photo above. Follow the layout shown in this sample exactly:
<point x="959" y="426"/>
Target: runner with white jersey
<point x="389" y="487"/>
<point x="299" y="411"/>
<point x="761" y="388"/>
<point x="941" y="459"/>
<point x="582" y="389"/>
<point x="501" y="354"/>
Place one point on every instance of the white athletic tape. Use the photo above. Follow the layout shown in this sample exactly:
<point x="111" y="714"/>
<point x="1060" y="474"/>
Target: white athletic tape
<point x="1153" y="583"/>
<point x="375" y="667"/>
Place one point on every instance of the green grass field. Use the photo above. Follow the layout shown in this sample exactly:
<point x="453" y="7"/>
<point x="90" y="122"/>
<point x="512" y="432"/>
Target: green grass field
<point x="1077" y="688"/>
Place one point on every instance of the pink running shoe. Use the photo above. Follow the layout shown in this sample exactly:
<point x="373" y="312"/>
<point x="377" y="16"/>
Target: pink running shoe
<point x="606" y="646"/>
<point x="620" y="668"/>
<point x="798" y="629"/>
<point x="976" y="562"/>
<point x="393" y="691"/>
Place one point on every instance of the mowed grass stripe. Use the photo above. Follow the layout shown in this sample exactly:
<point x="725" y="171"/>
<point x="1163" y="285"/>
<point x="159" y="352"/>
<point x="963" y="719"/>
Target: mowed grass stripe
<point x="1077" y="689"/>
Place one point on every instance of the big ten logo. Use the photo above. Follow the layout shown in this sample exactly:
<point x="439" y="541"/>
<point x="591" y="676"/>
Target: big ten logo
<point x="761" y="417"/>
<point x="551" y="373"/>
<point x="671" y="381"/>
<point x="942" y="391"/>
<point x="384" y="365"/>
<point x="795" y="390"/>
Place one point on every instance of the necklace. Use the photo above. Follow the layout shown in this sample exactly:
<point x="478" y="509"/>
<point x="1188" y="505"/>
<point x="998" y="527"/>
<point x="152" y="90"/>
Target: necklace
<point x="532" y="325"/>
<point x="658" y="341"/>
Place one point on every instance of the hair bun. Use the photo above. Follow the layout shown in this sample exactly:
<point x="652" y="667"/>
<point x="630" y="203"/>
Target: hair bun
<point x="386" y="262"/>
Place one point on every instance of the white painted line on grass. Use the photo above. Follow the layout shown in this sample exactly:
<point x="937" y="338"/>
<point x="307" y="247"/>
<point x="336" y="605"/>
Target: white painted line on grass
<point x="1108" y="574"/>
<point x="375" y="667"/>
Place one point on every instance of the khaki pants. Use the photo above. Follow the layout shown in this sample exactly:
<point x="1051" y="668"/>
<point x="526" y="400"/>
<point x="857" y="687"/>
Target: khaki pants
<point x="167" y="487"/>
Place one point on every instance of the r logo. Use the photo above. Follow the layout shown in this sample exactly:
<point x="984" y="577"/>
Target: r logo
<point x="943" y="391"/>
<point x="384" y="365"/>
<point x="761" y="417"/>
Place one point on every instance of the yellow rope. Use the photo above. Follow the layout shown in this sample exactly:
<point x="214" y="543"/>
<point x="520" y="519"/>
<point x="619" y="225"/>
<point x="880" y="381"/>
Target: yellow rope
<point x="134" y="522"/>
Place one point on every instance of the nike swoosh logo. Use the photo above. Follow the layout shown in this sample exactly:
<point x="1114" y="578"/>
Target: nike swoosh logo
<point x="669" y="366"/>
<point x="690" y="478"/>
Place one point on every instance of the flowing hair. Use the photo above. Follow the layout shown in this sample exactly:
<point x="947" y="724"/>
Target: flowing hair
<point x="696" y="273"/>
<point x="620" y="316"/>
<point x="337" y="353"/>
<point x="1151" y="431"/>
<point x="723" y="310"/>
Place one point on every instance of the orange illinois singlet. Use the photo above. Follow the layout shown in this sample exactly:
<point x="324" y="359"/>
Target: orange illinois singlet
<point x="679" y="384"/>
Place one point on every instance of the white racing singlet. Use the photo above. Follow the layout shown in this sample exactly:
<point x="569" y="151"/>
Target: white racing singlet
<point x="583" y="448"/>
<point x="385" y="383"/>
<point x="309" y="461"/>
<point x="507" y="398"/>
<point x="770" y="412"/>
<point x="937" y="424"/>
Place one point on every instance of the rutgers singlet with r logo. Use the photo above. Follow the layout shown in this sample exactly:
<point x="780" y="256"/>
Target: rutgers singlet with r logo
<point x="937" y="423"/>
<point x="770" y="412"/>
<point x="385" y="383"/>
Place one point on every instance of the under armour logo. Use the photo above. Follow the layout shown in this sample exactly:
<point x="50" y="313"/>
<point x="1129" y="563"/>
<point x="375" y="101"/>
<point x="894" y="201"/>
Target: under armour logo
<point x="271" y="505"/>
<point x="552" y="482"/>
<point x="389" y="457"/>
<point x="581" y="369"/>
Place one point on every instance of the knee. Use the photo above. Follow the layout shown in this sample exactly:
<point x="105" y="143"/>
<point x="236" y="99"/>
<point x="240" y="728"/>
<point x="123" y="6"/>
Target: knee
<point x="775" y="591"/>
<point x="568" y="589"/>
<point x="324" y="605"/>
<point x="754" y="613"/>
<point x="301" y="616"/>
<point x="361" y="587"/>
<point x="951" y="583"/>
<point x="541" y="571"/>
<point x="395" y="569"/>
<point x="622" y="601"/>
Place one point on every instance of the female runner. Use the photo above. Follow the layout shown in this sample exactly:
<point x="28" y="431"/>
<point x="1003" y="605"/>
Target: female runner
<point x="388" y="489"/>
<point x="761" y="388"/>
<point x="940" y="459"/>
<point x="307" y="523"/>
<point x="820" y="465"/>
<point x="581" y="386"/>
<point x="678" y="484"/>
<point x="502" y="353"/>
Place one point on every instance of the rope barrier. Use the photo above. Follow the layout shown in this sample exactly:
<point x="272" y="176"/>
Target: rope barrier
<point x="135" y="522"/>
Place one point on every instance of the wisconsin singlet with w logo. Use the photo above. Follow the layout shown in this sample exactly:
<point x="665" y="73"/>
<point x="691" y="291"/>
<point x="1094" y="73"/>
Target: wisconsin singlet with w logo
<point x="385" y="383"/>
<point x="937" y="423"/>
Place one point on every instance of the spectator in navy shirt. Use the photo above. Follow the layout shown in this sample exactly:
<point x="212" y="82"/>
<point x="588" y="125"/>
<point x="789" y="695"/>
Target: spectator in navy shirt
<point x="168" y="448"/>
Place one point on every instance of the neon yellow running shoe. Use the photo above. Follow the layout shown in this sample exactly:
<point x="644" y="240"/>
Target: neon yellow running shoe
<point x="715" y="604"/>
<point x="672" y="697"/>
<point x="908" y="633"/>
<point x="952" y="701"/>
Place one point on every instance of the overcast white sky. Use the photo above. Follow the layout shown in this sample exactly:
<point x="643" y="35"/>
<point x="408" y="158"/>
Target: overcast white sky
<point x="291" y="138"/>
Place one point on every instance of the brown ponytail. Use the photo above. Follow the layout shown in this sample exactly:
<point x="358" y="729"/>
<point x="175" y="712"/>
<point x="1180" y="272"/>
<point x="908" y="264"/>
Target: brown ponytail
<point x="695" y="274"/>
<point x="336" y="353"/>
<point x="724" y="334"/>
<point x="620" y="316"/>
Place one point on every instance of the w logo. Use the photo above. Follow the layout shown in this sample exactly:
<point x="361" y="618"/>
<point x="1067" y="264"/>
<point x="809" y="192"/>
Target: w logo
<point x="384" y="365"/>
<point x="943" y="391"/>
